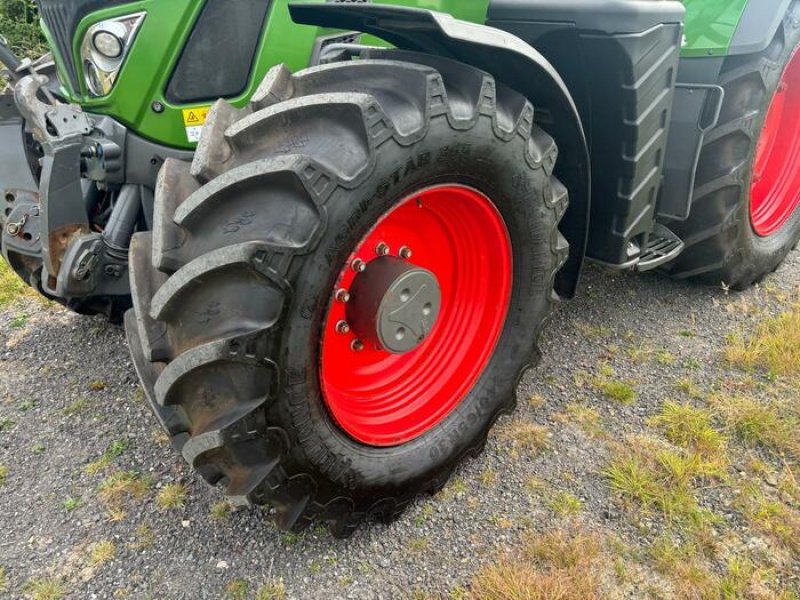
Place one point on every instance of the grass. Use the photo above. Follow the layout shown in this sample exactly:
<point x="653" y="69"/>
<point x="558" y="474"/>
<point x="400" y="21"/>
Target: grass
<point x="119" y="488"/>
<point x="565" y="504"/>
<point x="19" y="321"/>
<point x="221" y="510"/>
<point x="71" y="504"/>
<point x="525" y="436"/>
<point x="237" y="589"/>
<point x="274" y="590"/>
<point x="113" y="451"/>
<point x="101" y="553"/>
<point x="12" y="288"/>
<point x="773" y="346"/>
<point x="772" y="517"/>
<point x="559" y="565"/>
<point x="689" y="427"/>
<point x="418" y="545"/>
<point x="663" y="480"/>
<point x="76" y="407"/>
<point x="171" y="496"/>
<point x="614" y="389"/>
<point x="770" y="424"/>
<point x="586" y="417"/>
<point x="98" y="385"/>
<point x="45" y="589"/>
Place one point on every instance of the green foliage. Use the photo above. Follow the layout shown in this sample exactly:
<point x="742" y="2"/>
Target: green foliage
<point x="19" y="24"/>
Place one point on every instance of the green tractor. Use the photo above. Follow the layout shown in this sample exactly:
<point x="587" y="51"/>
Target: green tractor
<point x="334" y="230"/>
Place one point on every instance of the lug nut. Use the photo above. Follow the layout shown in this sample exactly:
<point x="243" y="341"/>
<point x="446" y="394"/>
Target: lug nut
<point x="357" y="346"/>
<point x="359" y="266"/>
<point x="382" y="249"/>
<point x="342" y="327"/>
<point x="405" y="252"/>
<point x="343" y="296"/>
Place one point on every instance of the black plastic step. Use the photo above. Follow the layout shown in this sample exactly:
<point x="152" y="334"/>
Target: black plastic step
<point x="662" y="247"/>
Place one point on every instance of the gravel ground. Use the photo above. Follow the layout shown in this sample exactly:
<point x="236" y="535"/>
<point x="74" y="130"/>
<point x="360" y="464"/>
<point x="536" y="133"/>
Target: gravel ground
<point x="71" y="392"/>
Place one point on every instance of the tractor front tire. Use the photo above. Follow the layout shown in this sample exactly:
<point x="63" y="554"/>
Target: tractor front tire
<point x="745" y="215"/>
<point x="401" y="181"/>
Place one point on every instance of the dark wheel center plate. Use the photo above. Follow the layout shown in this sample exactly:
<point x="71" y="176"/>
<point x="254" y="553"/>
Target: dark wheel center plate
<point x="394" y="304"/>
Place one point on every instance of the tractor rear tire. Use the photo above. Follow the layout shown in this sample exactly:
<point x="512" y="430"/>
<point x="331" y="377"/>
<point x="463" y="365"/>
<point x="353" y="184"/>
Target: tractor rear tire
<point x="235" y="289"/>
<point x="742" y="228"/>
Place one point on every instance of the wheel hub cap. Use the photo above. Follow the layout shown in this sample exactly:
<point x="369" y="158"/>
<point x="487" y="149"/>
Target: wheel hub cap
<point x="394" y="304"/>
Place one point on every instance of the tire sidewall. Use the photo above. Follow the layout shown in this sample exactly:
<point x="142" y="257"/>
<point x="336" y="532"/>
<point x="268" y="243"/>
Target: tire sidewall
<point x="474" y="158"/>
<point x="764" y="253"/>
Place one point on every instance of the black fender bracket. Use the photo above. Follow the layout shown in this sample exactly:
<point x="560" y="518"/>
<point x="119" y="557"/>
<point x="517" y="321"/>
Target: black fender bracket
<point x="512" y="62"/>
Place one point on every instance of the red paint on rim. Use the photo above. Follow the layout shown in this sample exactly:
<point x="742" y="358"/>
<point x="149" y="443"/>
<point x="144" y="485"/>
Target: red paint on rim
<point x="384" y="399"/>
<point x="775" y="191"/>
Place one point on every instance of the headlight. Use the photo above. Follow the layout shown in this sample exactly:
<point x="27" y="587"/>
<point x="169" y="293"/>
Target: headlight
<point x="104" y="48"/>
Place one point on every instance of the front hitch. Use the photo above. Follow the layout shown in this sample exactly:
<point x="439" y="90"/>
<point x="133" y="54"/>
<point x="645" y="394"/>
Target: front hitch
<point x="76" y="259"/>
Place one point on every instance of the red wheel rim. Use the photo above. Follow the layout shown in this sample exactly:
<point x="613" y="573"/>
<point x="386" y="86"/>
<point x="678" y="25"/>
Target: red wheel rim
<point x="384" y="399"/>
<point x="775" y="191"/>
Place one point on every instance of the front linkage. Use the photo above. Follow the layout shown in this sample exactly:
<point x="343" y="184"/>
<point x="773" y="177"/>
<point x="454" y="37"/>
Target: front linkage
<point x="75" y="196"/>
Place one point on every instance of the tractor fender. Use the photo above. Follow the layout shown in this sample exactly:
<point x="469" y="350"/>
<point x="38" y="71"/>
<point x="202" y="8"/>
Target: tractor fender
<point x="512" y="62"/>
<point x="758" y="25"/>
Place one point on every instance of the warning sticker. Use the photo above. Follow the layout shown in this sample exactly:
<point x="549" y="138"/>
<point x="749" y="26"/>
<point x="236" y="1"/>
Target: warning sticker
<point x="193" y="120"/>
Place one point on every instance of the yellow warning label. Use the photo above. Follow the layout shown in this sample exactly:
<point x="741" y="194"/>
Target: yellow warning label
<point x="195" y="117"/>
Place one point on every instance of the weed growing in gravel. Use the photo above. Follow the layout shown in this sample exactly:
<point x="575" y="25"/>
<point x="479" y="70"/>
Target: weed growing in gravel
<point x="664" y="357"/>
<point x="560" y="564"/>
<point x="664" y="480"/>
<point x="45" y="589"/>
<point x="774" y="345"/>
<point x="690" y="388"/>
<point x="172" y="496"/>
<point x="221" y="510"/>
<point x="691" y="578"/>
<point x="417" y="545"/>
<point x="771" y="516"/>
<point x="145" y="538"/>
<point x="586" y="417"/>
<point x="115" y="450"/>
<point x="19" y="321"/>
<point x="101" y="553"/>
<point x="119" y="488"/>
<point x="3" y="580"/>
<point x="769" y="423"/>
<point x="26" y="405"/>
<point x="237" y="589"/>
<point x="613" y="389"/>
<point x="593" y="332"/>
<point x="76" y="407"/>
<point x="488" y="478"/>
<point x="617" y="390"/>
<point x="6" y="424"/>
<point x="98" y="385"/>
<point x="689" y="427"/>
<point x="274" y="590"/>
<point x="3" y="474"/>
<point x="71" y="504"/>
<point x="525" y="436"/>
<point x="565" y="504"/>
